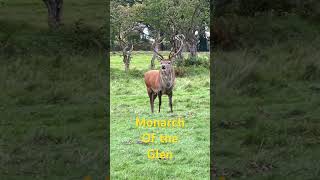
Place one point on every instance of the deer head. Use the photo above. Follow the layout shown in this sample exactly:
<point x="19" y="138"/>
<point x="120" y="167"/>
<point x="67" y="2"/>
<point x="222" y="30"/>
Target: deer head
<point x="166" y="64"/>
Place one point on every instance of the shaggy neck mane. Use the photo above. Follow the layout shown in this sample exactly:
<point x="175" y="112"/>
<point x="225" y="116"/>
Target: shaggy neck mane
<point x="167" y="78"/>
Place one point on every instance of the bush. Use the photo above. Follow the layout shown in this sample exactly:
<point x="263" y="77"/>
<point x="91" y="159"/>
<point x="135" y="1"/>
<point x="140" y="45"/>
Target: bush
<point x="193" y="61"/>
<point x="180" y="71"/>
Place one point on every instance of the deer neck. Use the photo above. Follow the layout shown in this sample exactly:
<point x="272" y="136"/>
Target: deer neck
<point x="167" y="80"/>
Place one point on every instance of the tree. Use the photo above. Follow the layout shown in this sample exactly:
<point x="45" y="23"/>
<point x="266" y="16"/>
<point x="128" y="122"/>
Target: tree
<point x="187" y="17"/>
<point x="169" y="19"/>
<point x="124" y="28"/>
<point x="54" y="12"/>
<point x="154" y="15"/>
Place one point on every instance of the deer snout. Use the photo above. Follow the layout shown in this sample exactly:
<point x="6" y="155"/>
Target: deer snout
<point x="163" y="67"/>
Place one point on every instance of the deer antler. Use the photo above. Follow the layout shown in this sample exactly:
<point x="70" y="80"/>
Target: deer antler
<point x="177" y="37"/>
<point x="159" y="55"/>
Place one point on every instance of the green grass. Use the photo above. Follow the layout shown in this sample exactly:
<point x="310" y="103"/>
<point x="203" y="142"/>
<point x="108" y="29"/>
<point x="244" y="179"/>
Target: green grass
<point x="267" y="105"/>
<point x="34" y="13"/>
<point x="52" y="112"/>
<point x="52" y="118"/>
<point x="129" y="98"/>
<point x="24" y="29"/>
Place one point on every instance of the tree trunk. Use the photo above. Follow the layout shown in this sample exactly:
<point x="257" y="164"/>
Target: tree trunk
<point x="193" y="49"/>
<point x="126" y="53"/>
<point x="192" y="43"/>
<point x="126" y="61"/>
<point x="155" y="56"/>
<point x="127" y="64"/>
<point x="54" y="12"/>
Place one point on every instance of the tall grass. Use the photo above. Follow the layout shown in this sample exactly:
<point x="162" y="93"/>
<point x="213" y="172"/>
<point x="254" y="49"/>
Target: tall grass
<point x="52" y="92"/>
<point x="266" y="101"/>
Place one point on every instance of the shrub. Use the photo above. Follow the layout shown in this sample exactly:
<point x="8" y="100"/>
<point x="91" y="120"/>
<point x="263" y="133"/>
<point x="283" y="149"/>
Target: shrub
<point x="194" y="61"/>
<point x="180" y="71"/>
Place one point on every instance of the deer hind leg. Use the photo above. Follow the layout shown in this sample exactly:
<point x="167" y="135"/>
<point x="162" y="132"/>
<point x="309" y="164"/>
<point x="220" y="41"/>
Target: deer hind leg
<point x="170" y="101"/>
<point x="160" y="94"/>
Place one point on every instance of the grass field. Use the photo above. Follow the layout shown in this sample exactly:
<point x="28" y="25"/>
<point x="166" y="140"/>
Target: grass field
<point x="33" y="12"/>
<point x="52" y="112"/>
<point x="129" y="98"/>
<point x="267" y="102"/>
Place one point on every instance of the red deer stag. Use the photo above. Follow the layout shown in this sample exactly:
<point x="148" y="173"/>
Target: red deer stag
<point x="162" y="81"/>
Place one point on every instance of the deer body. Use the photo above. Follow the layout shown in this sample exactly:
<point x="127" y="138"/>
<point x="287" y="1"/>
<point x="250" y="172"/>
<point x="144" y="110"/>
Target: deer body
<point x="159" y="82"/>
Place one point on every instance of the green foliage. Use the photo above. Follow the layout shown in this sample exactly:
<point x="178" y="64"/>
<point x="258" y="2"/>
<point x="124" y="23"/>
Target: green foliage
<point x="164" y="17"/>
<point x="123" y="21"/>
<point x="197" y="61"/>
<point x="155" y="14"/>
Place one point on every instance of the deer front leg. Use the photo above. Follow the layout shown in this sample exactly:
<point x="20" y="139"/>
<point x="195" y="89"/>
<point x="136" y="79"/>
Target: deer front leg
<point x="160" y="94"/>
<point x="151" y="100"/>
<point x="170" y="101"/>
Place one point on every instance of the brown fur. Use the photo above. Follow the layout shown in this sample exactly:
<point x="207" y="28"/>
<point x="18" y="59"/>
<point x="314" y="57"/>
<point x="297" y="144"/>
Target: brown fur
<point x="152" y="80"/>
<point x="159" y="82"/>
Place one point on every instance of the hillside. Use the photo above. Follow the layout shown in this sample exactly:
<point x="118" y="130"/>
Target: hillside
<point x="52" y="92"/>
<point x="267" y="99"/>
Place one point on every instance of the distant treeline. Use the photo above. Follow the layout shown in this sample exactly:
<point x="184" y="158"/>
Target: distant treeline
<point x="144" y="45"/>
